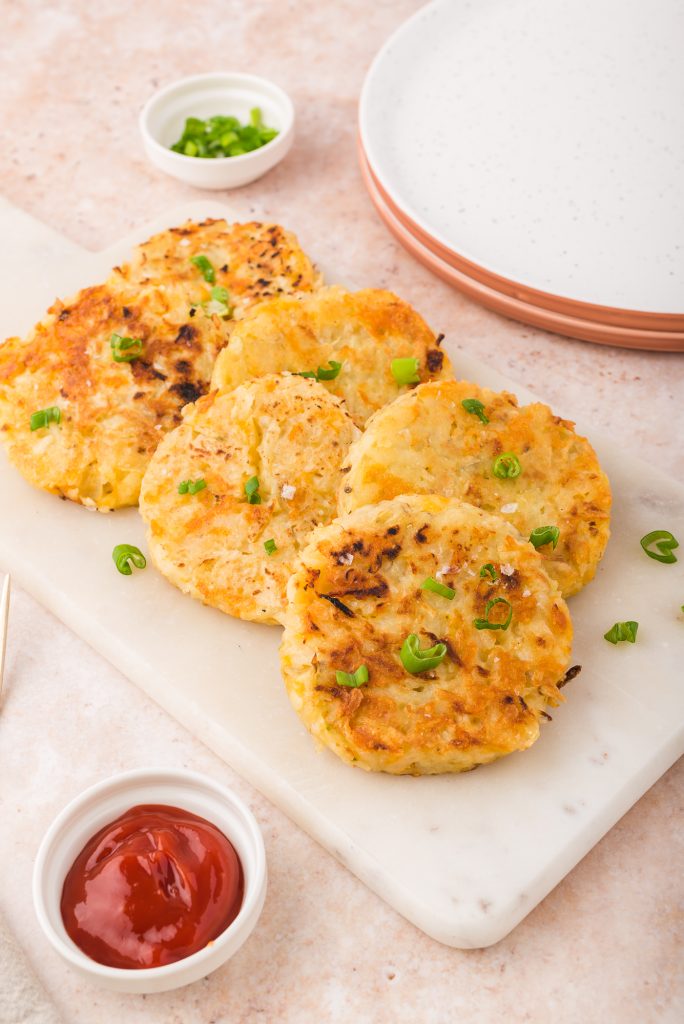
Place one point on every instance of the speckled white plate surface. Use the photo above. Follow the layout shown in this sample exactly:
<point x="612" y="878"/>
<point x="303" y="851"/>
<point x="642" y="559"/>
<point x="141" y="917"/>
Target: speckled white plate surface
<point x="465" y="858"/>
<point x="541" y="140"/>
<point x="512" y="303"/>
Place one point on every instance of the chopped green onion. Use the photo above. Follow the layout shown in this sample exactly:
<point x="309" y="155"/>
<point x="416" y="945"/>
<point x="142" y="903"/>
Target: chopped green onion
<point x="223" y="136"/>
<point x="205" y="268"/>
<point x="214" y="308"/>
<point x="486" y="623"/>
<point x="124" y="554"/>
<point x="44" y="417"/>
<point x="622" y="631"/>
<point x="438" y="588"/>
<point x="270" y="546"/>
<point x="357" y="678"/>
<point x="219" y="304"/>
<point x="322" y="373"/>
<point x="252" y="491"/>
<point x="192" y="486"/>
<point x="475" y="406"/>
<point x="542" y="535"/>
<point x="489" y="570"/>
<point x="507" y="466"/>
<point x="328" y="374"/>
<point x="664" y="542"/>
<point x="405" y="371"/>
<point x="125" y="350"/>
<point x="416" y="660"/>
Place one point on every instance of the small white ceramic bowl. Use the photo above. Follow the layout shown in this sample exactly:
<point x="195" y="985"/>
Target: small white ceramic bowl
<point x="230" y="93"/>
<point x="101" y="804"/>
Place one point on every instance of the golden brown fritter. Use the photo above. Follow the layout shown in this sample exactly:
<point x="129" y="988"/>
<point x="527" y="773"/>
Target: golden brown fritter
<point x="364" y="331"/>
<point x="290" y="434"/>
<point x="427" y="443"/>
<point x="253" y="261"/>
<point x="355" y="598"/>
<point x="113" y="414"/>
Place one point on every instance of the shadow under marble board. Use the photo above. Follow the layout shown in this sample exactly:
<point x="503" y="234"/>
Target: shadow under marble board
<point x="466" y="857"/>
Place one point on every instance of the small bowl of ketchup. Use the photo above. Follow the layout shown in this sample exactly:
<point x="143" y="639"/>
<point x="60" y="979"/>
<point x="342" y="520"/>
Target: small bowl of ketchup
<point x="150" y="880"/>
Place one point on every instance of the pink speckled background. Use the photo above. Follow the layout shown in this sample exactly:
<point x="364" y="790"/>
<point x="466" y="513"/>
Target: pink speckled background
<point x="606" y="944"/>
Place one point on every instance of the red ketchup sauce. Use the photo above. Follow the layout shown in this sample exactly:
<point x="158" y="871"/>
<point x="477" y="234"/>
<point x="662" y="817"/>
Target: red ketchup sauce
<point x="152" y="887"/>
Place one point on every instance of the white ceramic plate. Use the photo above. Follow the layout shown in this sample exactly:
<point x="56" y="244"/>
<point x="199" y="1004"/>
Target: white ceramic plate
<point x="541" y="140"/>
<point x="514" y="305"/>
<point x="463" y="857"/>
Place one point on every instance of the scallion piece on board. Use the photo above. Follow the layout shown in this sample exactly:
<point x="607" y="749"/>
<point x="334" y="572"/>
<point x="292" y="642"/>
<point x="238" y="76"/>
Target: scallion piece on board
<point x="622" y="631"/>
<point x="124" y="554"/>
<point x="664" y="543"/>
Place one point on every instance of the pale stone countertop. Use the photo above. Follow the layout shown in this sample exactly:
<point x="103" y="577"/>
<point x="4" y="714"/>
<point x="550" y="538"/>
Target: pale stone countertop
<point x="606" y="944"/>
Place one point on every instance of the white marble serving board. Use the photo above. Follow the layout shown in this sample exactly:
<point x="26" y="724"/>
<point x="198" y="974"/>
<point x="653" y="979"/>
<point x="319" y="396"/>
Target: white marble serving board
<point x="463" y="857"/>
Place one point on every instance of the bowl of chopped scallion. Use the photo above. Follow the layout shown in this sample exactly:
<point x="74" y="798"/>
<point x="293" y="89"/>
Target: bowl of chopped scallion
<point x="218" y="130"/>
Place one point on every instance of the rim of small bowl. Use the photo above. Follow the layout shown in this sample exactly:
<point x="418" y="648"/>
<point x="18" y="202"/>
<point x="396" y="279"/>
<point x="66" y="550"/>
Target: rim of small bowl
<point x="162" y="94"/>
<point x="255" y="881"/>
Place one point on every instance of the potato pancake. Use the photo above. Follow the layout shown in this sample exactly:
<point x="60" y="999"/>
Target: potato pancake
<point x="522" y="463"/>
<point x="363" y="331"/>
<point x="112" y="414"/>
<point x="357" y="596"/>
<point x="252" y="261"/>
<point x="279" y="440"/>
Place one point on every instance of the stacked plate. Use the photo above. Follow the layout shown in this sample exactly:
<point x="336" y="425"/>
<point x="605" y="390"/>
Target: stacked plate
<point x="531" y="153"/>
